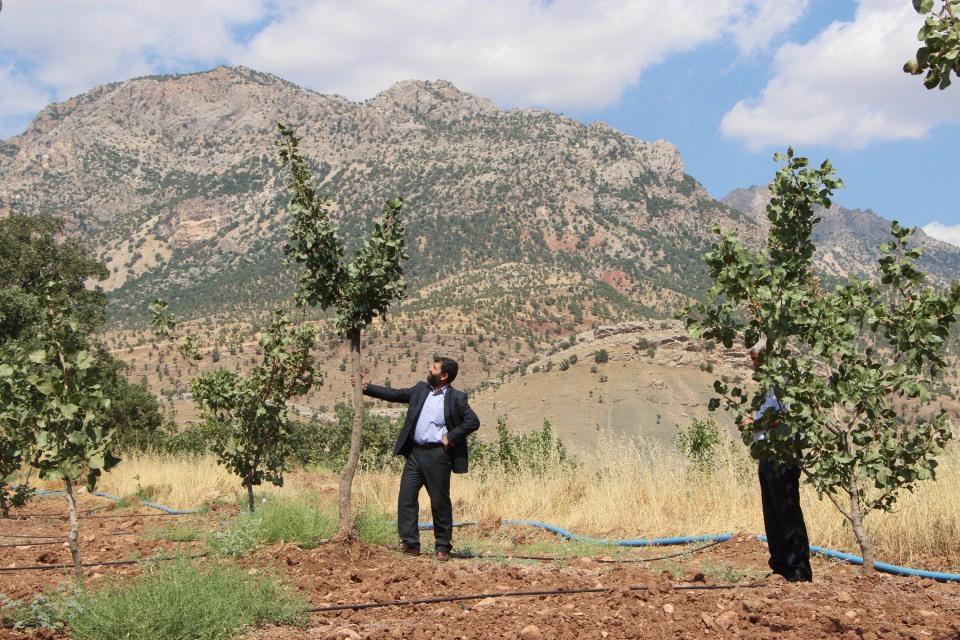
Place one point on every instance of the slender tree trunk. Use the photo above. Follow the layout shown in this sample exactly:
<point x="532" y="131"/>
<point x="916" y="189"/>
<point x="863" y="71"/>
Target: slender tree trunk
<point x="250" y="503"/>
<point x="74" y="534"/>
<point x="856" y="519"/>
<point x="4" y="505"/>
<point x="353" y="459"/>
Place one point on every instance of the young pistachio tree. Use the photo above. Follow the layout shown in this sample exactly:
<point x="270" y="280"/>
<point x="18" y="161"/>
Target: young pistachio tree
<point x="939" y="57"/>
<point x="839" y="359"/>
<point x="14" y="451"/>
<point x="358" y="290"/>
<point x="248" y="419"/>
<point x="52" y="392"/>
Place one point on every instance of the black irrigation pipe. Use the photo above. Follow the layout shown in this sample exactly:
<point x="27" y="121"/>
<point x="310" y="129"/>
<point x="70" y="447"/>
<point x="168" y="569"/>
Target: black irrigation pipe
<point x="31" y="544"/>
<point x="519" y="594"/>
<point x="14" y="516"/>
<point x="113" y="515"/>
<point x="467" y="555"/>
<point x="109" y="563"/>
<point x="61" y="537"/>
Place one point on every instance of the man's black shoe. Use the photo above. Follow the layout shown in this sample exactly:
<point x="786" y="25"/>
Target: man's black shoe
<point x="799" y="577"/>
<point x="408" y="550"/>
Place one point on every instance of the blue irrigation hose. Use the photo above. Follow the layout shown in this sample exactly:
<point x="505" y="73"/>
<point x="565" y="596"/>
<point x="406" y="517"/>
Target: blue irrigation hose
<point x="640" y="542"/>
<point x="166" y="509"/>
<point x="721" y="537"/>
<point x="563" y="533"/>
<point x="108" y="496"/>
<point x="147" y="503"/>
<point x="881" y="566"/>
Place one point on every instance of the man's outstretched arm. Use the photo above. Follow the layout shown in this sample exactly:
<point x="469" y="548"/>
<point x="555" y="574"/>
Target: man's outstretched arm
<point x="384" y="393"/>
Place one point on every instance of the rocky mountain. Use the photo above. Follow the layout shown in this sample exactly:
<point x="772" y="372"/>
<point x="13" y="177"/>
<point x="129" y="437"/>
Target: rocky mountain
<point x="173" y="181"/>
<point x="847" y="239"/>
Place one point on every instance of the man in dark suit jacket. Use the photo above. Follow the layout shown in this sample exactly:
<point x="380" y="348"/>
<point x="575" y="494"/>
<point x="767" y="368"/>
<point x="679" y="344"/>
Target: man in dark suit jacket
<point x="434" y="442"/>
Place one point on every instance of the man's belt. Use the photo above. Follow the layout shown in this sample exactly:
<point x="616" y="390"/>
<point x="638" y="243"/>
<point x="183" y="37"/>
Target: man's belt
<point x="427" y="445"/>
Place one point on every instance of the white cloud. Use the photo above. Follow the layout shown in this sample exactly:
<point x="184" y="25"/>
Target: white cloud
<point x="943" y="232"/>
<point x="65" y="47"/>
<point x="845" y="87"/>
<point x="560" y="54"/>
<point x="554" y="53"/>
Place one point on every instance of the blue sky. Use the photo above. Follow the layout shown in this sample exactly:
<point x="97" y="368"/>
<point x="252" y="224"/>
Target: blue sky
<point x="727" y="81"/>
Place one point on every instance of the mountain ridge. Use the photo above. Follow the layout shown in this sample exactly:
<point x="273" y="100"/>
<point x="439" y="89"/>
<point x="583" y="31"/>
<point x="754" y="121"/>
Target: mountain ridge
<point x="173" y="181"/>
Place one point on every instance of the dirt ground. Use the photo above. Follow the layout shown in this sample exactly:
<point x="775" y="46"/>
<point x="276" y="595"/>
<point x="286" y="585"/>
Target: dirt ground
<point x="837" y="604"/>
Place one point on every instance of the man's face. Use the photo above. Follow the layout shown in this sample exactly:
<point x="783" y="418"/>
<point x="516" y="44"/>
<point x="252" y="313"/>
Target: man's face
<point x="754" y="360"/>
<point x="435" y="376"/>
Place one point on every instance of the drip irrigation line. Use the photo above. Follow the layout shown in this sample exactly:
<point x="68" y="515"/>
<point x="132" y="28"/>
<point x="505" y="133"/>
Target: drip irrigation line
<point x="53" y="515"/>
<point x="112" y="515"/>
<point x="520" y="594"/>
<point x="108" y="563"/>
<point x="31" y="544"/>
<point x="62" y="537"/>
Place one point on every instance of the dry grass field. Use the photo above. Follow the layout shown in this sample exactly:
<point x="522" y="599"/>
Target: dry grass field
<point x="627" y="489"/>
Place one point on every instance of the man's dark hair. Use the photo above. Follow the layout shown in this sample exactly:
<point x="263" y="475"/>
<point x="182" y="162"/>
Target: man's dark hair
<point x="448" y="366"/>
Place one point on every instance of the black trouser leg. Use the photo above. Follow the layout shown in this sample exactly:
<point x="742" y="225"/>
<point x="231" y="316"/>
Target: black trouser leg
<point x="436" y="468"/>
<point x="783" y="520"/>
<point x="408" y="503"/>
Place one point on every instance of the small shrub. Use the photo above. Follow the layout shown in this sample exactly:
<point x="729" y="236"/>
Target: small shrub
<point x="239" y="539"/>
<point x="297" y="521"/>
<point x="177" y="532"/>
<point x="181" y="601"/>
<point x="376" y="528"/>
<point x="533" y="452"/>
<point x="293" y="520"/>
<point x="46" y="611"/>
<point x="700" y="443"/>
<point x="601" y="356"/>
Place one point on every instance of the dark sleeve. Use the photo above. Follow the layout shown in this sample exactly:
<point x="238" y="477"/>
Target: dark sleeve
<point x="388" y="394"/>
<point x="469" y="422"/>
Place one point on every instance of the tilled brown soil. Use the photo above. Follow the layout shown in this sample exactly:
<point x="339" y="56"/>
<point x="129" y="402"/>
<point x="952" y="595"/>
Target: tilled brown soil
<point x="106" y="534"/>
<point x="837" y="604"/>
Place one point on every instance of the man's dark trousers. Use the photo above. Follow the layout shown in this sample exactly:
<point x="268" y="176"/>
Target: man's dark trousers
<point x="430" y="467"/>
<point x="783" y="520"/>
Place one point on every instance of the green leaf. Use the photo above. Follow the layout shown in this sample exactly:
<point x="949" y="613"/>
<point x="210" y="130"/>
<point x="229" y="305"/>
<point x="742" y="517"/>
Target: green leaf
<point x="923" y="6"/>
<point x="84" y="361"/>
<point x="96" y="461"/>
<point x="39" y="356"/>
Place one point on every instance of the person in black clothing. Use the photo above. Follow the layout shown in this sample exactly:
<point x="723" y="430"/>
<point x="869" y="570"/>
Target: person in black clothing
<point x="434" y="442"/>
<point x="780" y="497"/>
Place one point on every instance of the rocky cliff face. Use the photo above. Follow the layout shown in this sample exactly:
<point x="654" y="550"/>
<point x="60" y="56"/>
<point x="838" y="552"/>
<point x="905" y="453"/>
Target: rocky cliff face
<point x="173" y="180"/>
<point x="847" y="239"/>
